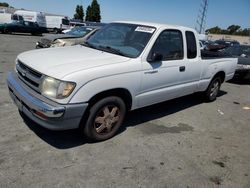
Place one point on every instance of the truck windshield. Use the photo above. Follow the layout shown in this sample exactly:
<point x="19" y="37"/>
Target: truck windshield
<point x="122" y="39"/>
<point x="65" y="21"/>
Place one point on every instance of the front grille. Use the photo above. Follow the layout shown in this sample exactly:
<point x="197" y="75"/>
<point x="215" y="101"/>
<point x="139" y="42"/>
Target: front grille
<point x="29" y="76"/>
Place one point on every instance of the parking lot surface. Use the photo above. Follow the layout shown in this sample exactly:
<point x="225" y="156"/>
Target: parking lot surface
<point x="179" y="143"/>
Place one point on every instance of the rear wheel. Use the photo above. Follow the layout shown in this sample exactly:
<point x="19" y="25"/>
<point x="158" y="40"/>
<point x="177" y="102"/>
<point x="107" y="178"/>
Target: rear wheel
<point x="105" y="118"/>
<point x="213" y="89"/>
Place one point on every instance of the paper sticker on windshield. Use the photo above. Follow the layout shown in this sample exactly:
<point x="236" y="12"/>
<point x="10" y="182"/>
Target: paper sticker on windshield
<point x="145" y="29"/>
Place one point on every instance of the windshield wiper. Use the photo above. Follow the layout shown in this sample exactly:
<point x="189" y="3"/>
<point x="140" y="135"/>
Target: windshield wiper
<point x="86" y="43"/>
<point x="113" y="50"/>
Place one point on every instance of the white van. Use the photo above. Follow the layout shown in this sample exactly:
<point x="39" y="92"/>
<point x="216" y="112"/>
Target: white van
<point x="33" y="16"/>
<point x="56" y="23"/>
<point x="8" y="18"/>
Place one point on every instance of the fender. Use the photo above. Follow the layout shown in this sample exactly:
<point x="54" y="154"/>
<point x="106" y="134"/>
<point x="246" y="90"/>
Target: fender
<point x="129" y="81"/>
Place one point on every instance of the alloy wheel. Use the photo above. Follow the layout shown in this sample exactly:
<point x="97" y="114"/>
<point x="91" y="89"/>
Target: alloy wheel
<point x="106" y="119"/>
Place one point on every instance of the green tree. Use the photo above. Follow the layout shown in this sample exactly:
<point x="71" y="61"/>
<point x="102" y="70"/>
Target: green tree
<point x="96" y="13"/>
<point x="214" y="30"/>
<point x="79" y="13"/>
<point x="88" y="14"/>
<point x="245" y="32"/>
<point x="232" y="29"/>
<point x="93" y="12"/>
<point x="4" y="4"/>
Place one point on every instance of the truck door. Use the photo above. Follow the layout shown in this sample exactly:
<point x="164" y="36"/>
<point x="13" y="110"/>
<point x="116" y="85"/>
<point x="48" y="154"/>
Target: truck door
<point x="192" y="65"/>
<point x="161" y="77"/>
<point x="26" y="28"/>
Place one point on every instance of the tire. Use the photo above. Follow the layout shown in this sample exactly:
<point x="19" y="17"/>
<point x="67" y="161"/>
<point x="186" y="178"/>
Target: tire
<point x="104" y="119"/>
<point x="213" y="89"/>
<point x="6" y="31"/>
<point x="55" y="30"/>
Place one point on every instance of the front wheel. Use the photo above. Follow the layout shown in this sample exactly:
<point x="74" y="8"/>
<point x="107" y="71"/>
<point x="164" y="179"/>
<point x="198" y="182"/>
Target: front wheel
<point x="105" y="118"/>
<point x="56" y="31"/>
<point x="213" y="89"/>
<point x="6" y="31"/>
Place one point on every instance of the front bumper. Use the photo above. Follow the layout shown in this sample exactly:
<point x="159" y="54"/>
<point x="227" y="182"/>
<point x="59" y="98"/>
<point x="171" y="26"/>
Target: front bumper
<point x="43" y="111"/>
<point x="41" y="45"/>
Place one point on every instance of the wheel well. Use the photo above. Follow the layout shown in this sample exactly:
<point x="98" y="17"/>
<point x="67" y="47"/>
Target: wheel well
<point x="124" y="94"/>
<point x="220" y="74"/>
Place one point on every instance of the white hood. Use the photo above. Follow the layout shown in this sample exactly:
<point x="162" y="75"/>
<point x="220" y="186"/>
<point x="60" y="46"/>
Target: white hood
<point x="58" y="62"/>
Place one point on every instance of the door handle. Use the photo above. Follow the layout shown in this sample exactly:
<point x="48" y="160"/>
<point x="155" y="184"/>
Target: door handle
<point x="151" y="72"/>
<point x="182" y="68"/>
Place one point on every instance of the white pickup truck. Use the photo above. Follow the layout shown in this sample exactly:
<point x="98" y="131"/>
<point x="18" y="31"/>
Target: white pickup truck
<point x="124" y="66"/>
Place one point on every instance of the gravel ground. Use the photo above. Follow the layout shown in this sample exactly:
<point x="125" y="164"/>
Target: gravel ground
<point x="179" y="143"/>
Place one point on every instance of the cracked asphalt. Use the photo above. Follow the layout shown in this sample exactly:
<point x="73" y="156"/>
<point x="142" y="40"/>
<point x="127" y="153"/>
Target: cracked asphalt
<point x="180" y="143"/>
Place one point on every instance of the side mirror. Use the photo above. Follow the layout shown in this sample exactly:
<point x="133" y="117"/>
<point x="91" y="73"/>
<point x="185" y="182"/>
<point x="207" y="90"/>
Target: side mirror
<point x="155" y="57"/>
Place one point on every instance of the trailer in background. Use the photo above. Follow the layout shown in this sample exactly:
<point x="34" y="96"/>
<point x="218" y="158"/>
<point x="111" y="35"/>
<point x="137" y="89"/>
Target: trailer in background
<point x="33" y="16"/>
<point x="57" y="23"/>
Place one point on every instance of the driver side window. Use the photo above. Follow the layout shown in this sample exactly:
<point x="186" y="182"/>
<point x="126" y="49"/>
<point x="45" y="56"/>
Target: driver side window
<point x="170" y="45"/>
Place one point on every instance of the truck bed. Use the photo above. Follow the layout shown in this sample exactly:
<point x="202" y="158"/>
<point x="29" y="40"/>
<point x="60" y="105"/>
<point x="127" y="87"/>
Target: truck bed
<point x="206" y="54"/>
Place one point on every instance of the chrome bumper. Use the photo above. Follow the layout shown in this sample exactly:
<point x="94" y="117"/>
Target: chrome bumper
<point x="43" y="111"/>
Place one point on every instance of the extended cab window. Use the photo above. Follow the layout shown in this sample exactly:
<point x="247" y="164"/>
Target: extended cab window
<point x="170" y="45"/>
<point x="191" y="45"/>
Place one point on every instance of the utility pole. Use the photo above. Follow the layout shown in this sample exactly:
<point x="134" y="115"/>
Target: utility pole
<point x="201" y="19"/>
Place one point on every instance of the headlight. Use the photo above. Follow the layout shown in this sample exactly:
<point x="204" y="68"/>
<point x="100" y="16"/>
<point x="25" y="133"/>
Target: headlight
<point x="58" y="43"/>
<point x="57" y="89"/>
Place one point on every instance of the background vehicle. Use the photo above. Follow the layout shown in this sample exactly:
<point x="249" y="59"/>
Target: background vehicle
<point x="22" y="27"/>
<point x="90" y="24"/>
<point x="227" y="43"/>
<point x="32" y="16"/>
<point x="56" y="23"/>
<point x="8" y="18"/>
<point x="122" y="67"/>
<point x="83" y="36"/>
<point x="75" y="23"/>
<point x="202" y="44"/>
<point x="241" y="52"/>
<point x="75" y="36"/>
<point x="213" y="46"/>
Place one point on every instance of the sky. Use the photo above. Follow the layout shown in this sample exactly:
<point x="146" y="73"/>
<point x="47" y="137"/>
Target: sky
<point x="221" y="13"/>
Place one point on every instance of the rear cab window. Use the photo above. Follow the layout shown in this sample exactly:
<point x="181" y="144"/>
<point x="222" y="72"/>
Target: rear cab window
<point x="65" y="21"/>
<point x="191" y="45"/>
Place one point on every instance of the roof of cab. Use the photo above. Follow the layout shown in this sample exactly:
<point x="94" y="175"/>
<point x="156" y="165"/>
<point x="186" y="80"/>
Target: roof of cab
<point x="157" y="25"/>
